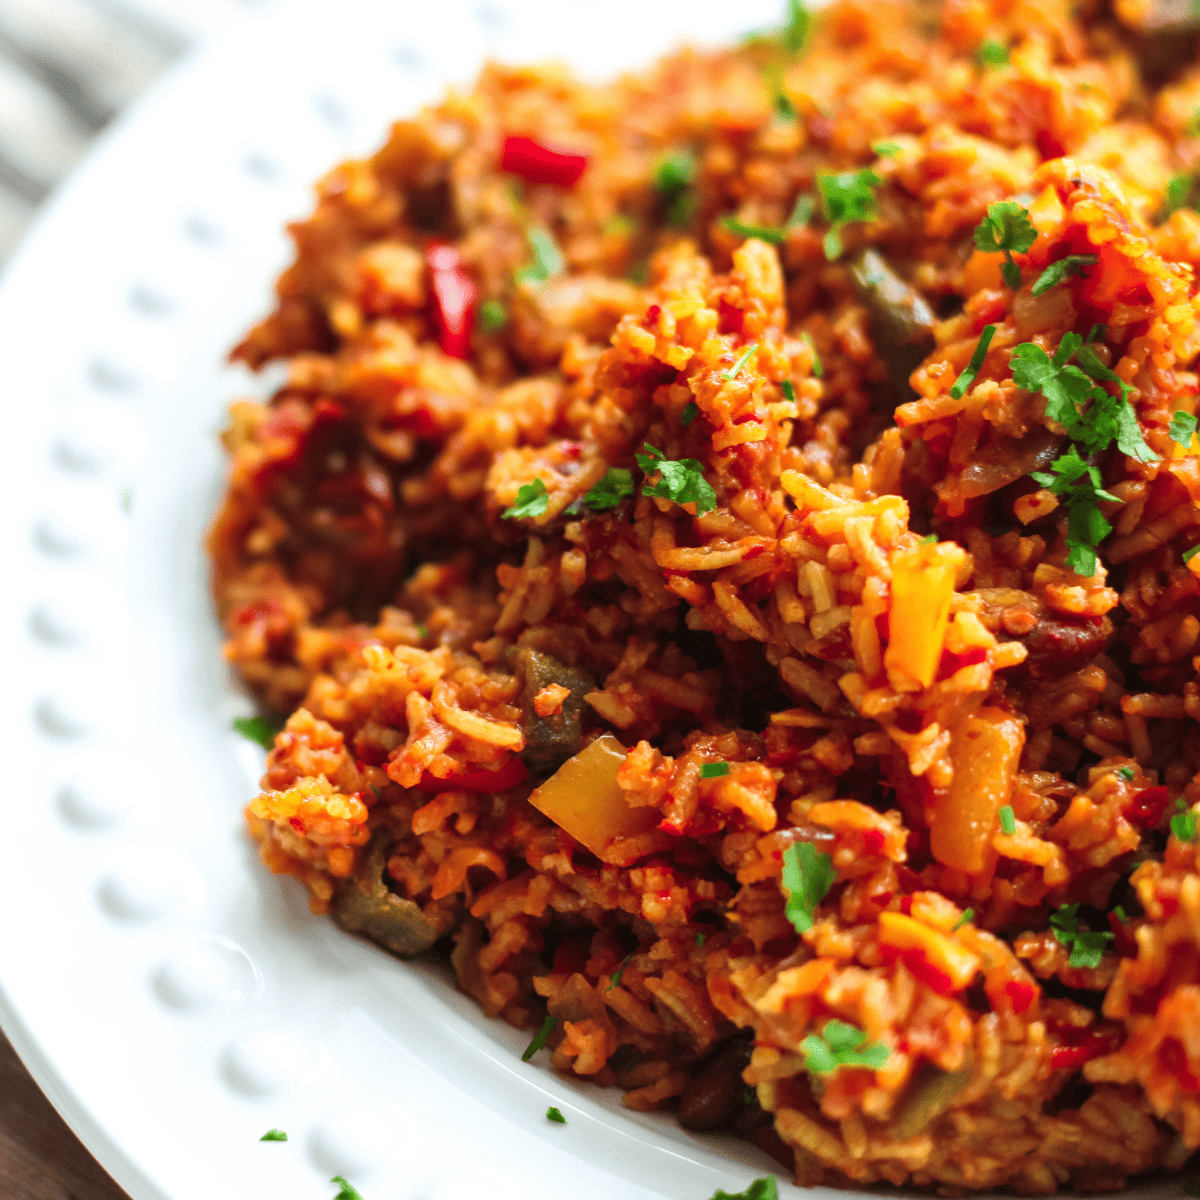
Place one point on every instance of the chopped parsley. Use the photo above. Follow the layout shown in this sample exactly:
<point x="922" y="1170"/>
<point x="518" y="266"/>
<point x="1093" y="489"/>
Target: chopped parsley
<point x="839" y="1046"/>
<point x="257" y="729"/>
<point x="548" y="259"/>
<point x="681" y="480"/>
<point x="1188" y="555"/>
<point x="764" y="233"/>
<point x="1087" y="948"/>
<point x="991" y="53"/>
<point x="1008" y="821"/>
<point x="714" y="770"/>
<point x="552" y="1114"/>
<point x="674" y="175"/>
<point x="1182" y="429"/>
<point x="1077" y="483"/>
<point x="273" y="1135"/>
<point x="1097" y="333"/>
<point x="1183" y="824"/>
<point x="532" y="501"/>
<point x="1058" y="272"/>
<point x="846" y="197"/>
<point x="493" y="316"/>
<point x="808" y="874"/>
<point x="1180" y="193"/>
<point x="616" y="978"/>
<point x="699" y="939"/>
<point x="766" y="1188"/>
<point x="1121" y="915"/>
<point x="802" y="212"/>
<point x="1126" y="773"/>
<point x="611" y="490"/>
<point x="735" y="370"/>
<point x="967" y="378"/>
<point x="968" y="915"/>
<point x="1006" y="227"/>
<point x="347" y="1191"/>
<point x="885" y="149"/>
<point x="818" y="368"/>
<point x="690" y="412"/>
<point x="422" y="631"/>
<point x="539" y="1038"/>
<point x="929" y="539"/>
<point x="797" y="28"/>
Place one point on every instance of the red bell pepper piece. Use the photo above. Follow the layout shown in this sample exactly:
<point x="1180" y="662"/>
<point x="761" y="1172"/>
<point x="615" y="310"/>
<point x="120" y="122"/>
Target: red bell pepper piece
<point x="1077" y="1046"/>
<point x="1146" y="808"/>
<point x="537" y="162"/>
<point x="920" y="968"/>
<point x="1173" y="1056"/>
<point x="508" y="776"/>
<point x="1020" y="994"/>
<point x="453" y="300"/>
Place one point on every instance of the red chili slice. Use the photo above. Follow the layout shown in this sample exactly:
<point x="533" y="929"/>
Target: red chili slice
<point x="874" y="841"/>
<point x="537" y="162"/>
<point x="513" y="772"/>
<point x="453" y="300"/>
<point x="1020" y="994"/>
<point x="1146" y="808"/>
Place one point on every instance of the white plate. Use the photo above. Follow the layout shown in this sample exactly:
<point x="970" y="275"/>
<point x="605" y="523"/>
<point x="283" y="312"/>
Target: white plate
<point x="173" y="999"/>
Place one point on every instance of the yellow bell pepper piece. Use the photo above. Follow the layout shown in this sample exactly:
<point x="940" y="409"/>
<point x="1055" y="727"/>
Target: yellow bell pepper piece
<point x="583" y="798"/>
<point x="940" y="950"/>
<point x="922" y="584"/>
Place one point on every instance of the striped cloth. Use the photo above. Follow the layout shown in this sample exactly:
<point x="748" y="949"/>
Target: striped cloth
<point x="67" y="67"/>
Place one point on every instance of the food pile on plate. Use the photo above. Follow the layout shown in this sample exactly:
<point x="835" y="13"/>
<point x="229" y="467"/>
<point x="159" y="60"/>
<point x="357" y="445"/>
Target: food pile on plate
<point x="726" y="552"/>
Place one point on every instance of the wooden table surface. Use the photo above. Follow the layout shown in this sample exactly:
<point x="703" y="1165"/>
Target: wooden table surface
<point x="67" y="68"/>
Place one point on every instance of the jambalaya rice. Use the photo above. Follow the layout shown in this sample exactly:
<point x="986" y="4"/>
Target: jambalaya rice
<point x="631" y="458"/>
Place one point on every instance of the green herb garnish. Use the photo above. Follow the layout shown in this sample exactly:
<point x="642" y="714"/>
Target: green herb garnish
<point x="991" y="53"/>
<point x="885" y="149"/>
<point x="548" y="259"/>
<point x="616" y="978"/>
<point x="681" y="480"/>
<point x="539" y="1038"/>
<point x="611" y="490"/>
<point x="808" y="874"/>
<point x="714" y="770"/>
<point x="1188" y="555"/>
<point x="1058" y="272"/>
<point x="766" y="1188"/>
<point x="674" y="174"/>
<point x="802" y="212"/>
<point x="838" y="1046"/>
<point x="422" y="632"/>
<point x="1077" y="483"/>
<point x="1087" y="948"/>
<point x="967" y="378"/>
<point x="846" y="197"/>
<point x="532" y="501"/>
<point x="797" y="29"/>
<point x="1126" y="773"/>
<point x="928" y="540"/>
<point x="1180" y="193"/>
<point x="493" y="316"/>
<point x="818" y="367"/>
<point x="689" y="414"/>
<point x="273" y="1135"/>
<point x="1182" y="429"/>
<point x="1183" y="824"/>
<point x="968" y="915"/>
<point x="699" y="939"/>
<point x="1008" y="821"/>
<point x="346" y="1192"/>
<point x="257" y="729"/>
<point x="1121" y="915"/>
<point x="1007" y="227"/>
<point x="552" y="1114"/>
<point x="735" y="370"/>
